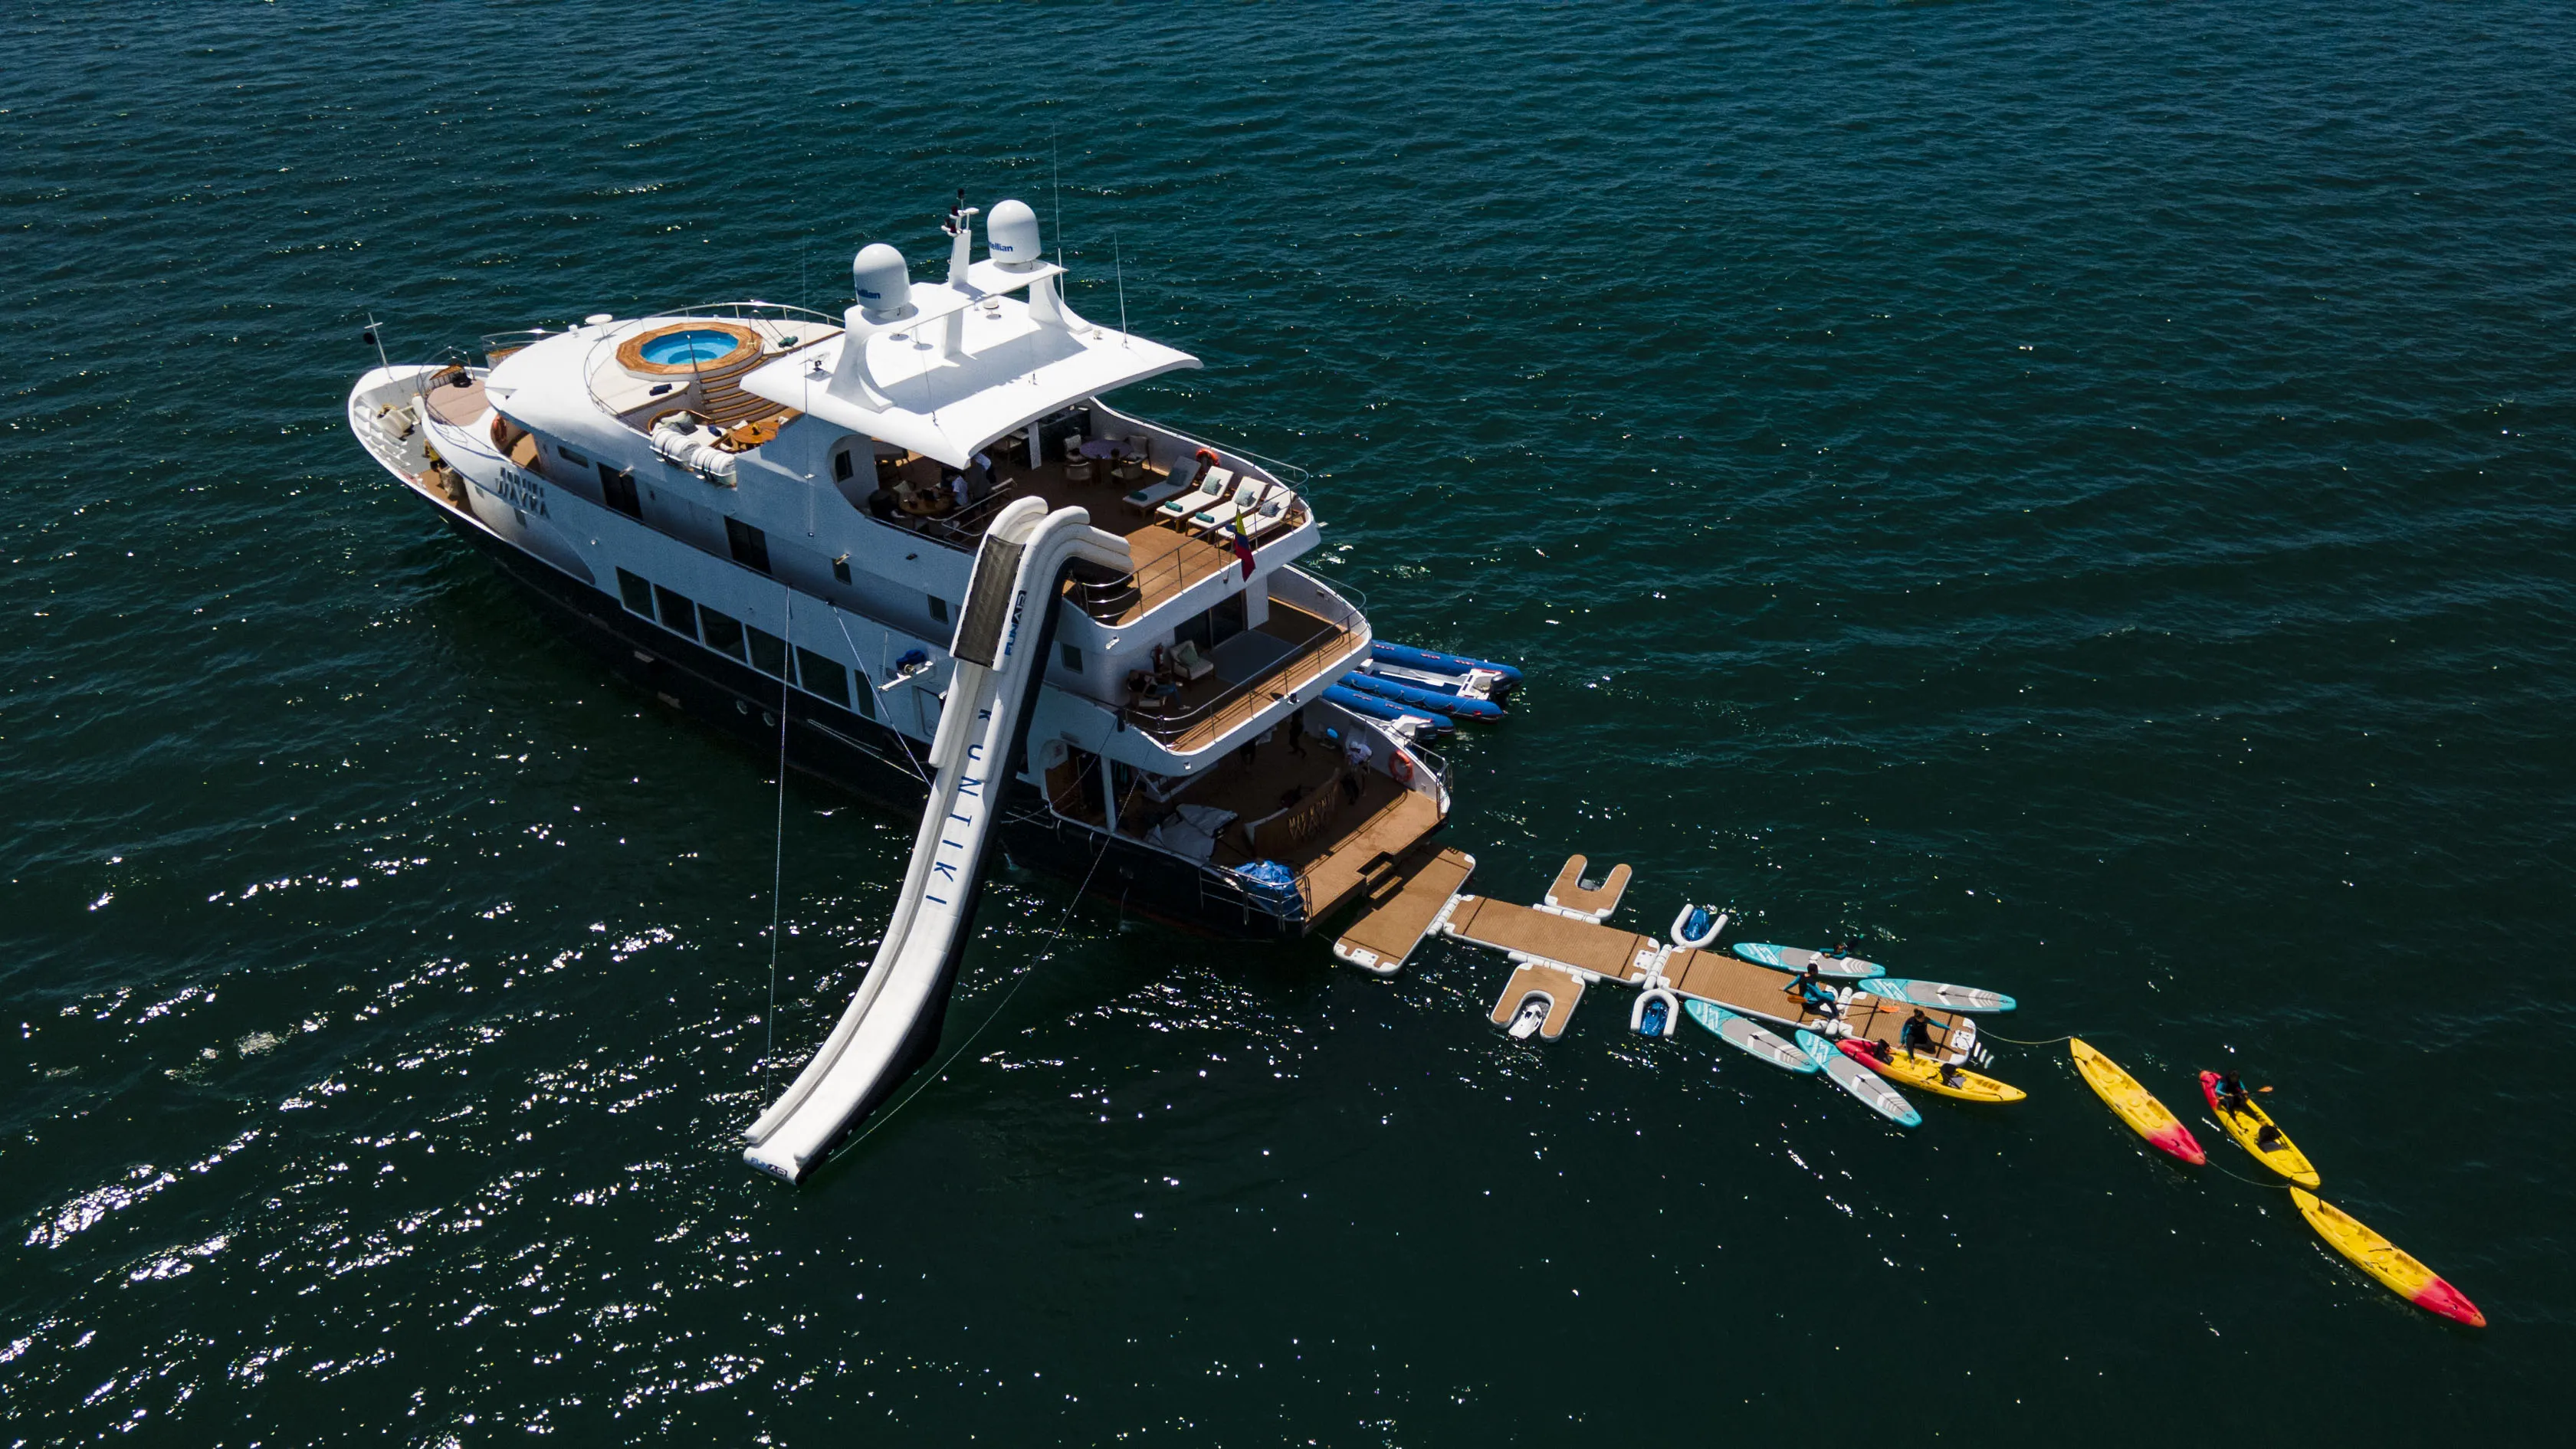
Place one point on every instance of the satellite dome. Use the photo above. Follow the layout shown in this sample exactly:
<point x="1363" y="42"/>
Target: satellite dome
<point x="882" y="280"/>
<point x="1011" y="236"/>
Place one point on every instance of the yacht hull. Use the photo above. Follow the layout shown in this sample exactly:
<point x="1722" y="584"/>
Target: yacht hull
<point x="862" y="757"/>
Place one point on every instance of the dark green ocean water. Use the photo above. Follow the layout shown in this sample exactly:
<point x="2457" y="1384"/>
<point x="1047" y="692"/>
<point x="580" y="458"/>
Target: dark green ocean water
<point x="2077" y="495"/>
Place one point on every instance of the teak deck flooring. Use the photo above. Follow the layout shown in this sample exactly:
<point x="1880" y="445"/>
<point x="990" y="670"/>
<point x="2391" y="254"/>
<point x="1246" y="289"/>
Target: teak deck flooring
<point x="1386" y="933"/>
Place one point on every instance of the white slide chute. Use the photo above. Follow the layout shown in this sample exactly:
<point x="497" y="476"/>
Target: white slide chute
<point x="1001" y="647"/>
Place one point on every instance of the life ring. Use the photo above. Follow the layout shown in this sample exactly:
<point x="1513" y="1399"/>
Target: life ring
<point x="1400" y="765"/>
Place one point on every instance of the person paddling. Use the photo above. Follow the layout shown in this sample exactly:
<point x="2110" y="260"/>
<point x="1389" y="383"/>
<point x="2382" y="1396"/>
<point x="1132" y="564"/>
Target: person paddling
<point x="2233" y="1098"/>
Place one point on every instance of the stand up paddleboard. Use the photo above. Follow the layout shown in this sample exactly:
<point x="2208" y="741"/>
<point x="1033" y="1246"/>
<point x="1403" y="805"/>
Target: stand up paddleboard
<point x="1743" y="1035"/>
<point x="1795" y="958"/>
<point x="1936" y="993"/>
<point x="2135" y="1105"/>
<point x="2385" y="1261"/>
<point x="2247" y="1126"/>
<point x="1858" y="1080"/>
<point x="1924" y="1072"/>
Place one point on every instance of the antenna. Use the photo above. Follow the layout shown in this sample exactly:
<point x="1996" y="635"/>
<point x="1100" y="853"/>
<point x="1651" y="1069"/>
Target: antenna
<point x="1119" y="259"/>
<point x="375" y="335"/>
<point x="1055" y="188"/>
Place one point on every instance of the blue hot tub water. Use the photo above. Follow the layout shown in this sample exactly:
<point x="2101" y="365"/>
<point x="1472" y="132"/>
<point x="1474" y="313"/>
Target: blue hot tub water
<point x="680" y="349"/>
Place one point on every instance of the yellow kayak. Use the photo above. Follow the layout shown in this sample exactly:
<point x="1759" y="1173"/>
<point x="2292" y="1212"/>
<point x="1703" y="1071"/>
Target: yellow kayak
<point x="2134" y="1104"/>
<point x="2247" y="1126"/>
<point x="2385" y="1261"/>
<point x="1924" y="1072"/>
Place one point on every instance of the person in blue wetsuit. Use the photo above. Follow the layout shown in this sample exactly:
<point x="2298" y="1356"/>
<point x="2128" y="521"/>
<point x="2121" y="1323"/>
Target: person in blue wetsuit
<point x="1813" y="993"/>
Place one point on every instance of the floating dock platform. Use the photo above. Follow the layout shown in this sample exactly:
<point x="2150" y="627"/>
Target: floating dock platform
<point x="1562" y="946"/>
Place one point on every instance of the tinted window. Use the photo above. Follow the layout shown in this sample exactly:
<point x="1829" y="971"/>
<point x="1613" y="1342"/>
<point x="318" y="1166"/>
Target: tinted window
<point x="939" y="608"/>
<point x="678" y="614"/>
<point x="637" y="593"/>
<point x="823" y="676"/>
<point x="723" y="631"/>
<point x="569" y="456"/>
<point x="1072" y="658"/>
<point x="750" y="545"/>
<point x="842" y="467"/>
<point x="618" y="490"/>
<point x="768" y="652"/>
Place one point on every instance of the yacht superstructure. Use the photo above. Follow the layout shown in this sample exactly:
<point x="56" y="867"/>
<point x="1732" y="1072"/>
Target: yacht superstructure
<point x="755" y="512"/>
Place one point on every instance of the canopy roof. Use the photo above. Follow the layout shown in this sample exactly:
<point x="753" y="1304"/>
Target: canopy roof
<point x="944" y="393"/>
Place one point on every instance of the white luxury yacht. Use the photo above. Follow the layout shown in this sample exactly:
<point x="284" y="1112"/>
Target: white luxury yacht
<point x="753" y="511"/>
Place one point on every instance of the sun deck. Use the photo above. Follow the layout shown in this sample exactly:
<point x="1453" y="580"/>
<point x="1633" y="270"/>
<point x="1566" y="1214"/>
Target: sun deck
<point x="1169" y="558"/>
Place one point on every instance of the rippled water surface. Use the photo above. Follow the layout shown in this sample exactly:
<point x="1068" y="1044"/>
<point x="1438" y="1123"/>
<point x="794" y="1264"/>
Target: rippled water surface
<point x="2075" y="495"/>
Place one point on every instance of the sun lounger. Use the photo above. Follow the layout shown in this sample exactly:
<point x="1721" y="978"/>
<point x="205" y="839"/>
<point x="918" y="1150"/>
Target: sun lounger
<point x="1272" y="512"/>
<point x="1153" y="493"/>
<point x="1219" y="480"/>
<point x="1218" y="515"/>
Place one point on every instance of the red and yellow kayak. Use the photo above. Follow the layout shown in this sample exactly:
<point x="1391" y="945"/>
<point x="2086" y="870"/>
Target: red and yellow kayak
<point x="2134" y="1104"/>
<point x="2283" y="1156"/>
<point x="2385" y="1261"/>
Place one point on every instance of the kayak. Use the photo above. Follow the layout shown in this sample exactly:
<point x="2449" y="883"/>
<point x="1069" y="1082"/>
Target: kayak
<point x="1937" y="993"/>
<point x="1795" y="958"/>
<point x="1924" y="1072"/>
<point x="2385" y="1261"/>
<point x="2247" y="1127"/>
<point x="1743" y="1035"/>
<point x="1858" y="1080"/>
<point x="2134" y="1104"/>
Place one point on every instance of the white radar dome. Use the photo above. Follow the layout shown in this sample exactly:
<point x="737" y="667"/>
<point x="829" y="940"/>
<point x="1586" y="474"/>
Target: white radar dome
<point x="883" y="282"/>
<point x="1011" y="236"/>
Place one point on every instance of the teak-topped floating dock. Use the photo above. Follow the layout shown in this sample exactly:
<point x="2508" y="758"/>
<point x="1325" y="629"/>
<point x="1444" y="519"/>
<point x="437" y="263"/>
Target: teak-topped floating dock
<point x="1561" y="946"/>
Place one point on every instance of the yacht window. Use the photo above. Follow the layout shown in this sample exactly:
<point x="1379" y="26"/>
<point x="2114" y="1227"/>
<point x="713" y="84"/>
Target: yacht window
<point x="1214" y="627"/>
<point x="823" y="676"/>
<point x="750" y="545"/>
<point x="842" y="467"/>
<point x="618" y="490"/>
<point x="1072" y="658"/>
<point x="939" y="608"/>
<point x="841" y="568"/>
<point x="569" y="456"/>
<point x="678" y="614"/>
<point x="637" y="593"/>
<point x="768" y="652"/>
<point x="723" y="631"/>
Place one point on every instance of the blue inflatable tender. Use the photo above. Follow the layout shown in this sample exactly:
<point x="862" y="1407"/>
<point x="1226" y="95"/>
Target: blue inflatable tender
<point x="1386" y="709"/>
<point x="1429" y="662"/>
<point x="1430" y="700"/>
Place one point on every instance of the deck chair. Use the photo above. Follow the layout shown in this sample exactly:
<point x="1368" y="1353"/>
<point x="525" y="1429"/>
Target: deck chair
<point x="1156" y="492"/>
<point x="1217" y="515"/>
<point x="1218" y="482"/>
<point x="1269" y="514"/>
<point x="1191" y="663"/>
